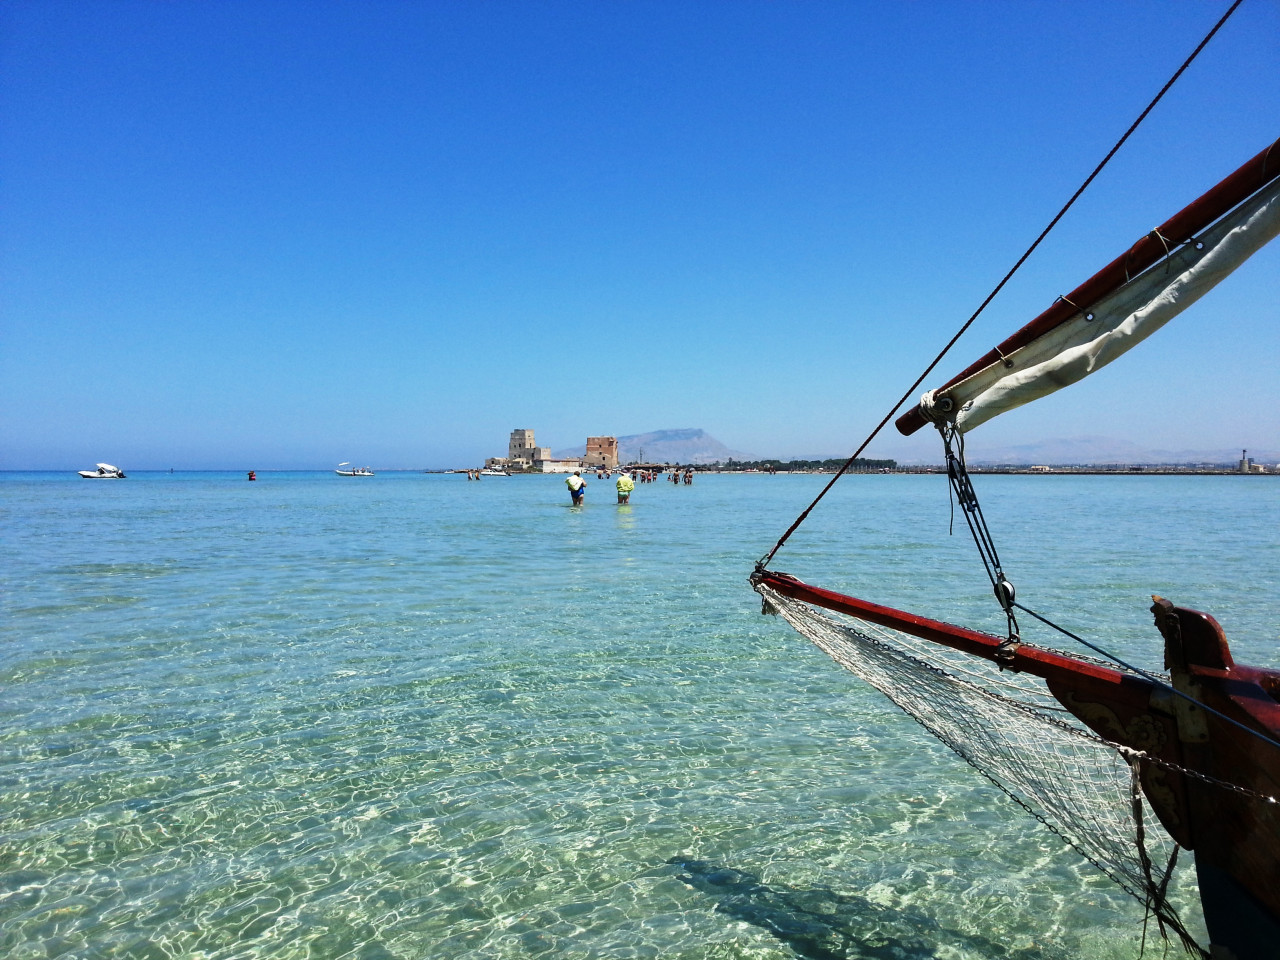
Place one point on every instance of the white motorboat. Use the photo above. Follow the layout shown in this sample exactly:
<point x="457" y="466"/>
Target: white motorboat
<point x="353" y="471"/>
<point x="489" y="472"/>
<point x="105" y="471"/>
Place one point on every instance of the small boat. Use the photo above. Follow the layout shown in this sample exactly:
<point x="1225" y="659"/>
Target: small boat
<point x="354" y="471"/>
<point x="490" y="472"/>
<point x="105" y="471"/>
<point x="1128" y="766"/>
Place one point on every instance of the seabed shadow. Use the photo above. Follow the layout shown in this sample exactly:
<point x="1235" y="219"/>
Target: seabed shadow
<point x="820" y="924"/>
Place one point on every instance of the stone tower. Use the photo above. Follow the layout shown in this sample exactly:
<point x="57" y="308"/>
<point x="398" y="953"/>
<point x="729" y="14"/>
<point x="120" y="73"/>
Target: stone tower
<point x="601" y="452"/>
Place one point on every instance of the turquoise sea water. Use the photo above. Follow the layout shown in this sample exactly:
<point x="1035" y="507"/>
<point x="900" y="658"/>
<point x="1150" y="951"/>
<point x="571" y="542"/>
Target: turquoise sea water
<point x="416" y="716"/>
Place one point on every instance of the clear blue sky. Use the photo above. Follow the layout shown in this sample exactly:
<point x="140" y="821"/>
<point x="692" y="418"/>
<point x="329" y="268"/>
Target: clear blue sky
<point x="283" y="234"/>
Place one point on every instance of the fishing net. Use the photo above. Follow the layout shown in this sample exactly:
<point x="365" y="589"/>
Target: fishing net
<point x="1011" y="730"/>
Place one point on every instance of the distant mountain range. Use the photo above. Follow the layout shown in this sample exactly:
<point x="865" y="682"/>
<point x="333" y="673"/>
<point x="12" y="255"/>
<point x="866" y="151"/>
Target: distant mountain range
<point x="693" y="445"/>
<point x="690" y="445"/>
<point x="1107" y="450"/>
<point x="1075" y="451"/>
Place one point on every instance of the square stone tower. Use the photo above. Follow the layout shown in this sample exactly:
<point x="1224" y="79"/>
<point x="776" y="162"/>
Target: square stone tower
<point x="601" y="452"/>
<point x="521" y="447"/>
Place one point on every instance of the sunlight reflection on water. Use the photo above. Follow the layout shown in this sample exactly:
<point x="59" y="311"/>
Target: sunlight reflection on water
<point x="416" y="716"/>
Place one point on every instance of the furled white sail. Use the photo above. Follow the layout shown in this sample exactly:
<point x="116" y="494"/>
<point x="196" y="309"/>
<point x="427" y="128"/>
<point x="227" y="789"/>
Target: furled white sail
<point x="1105" y="330"/>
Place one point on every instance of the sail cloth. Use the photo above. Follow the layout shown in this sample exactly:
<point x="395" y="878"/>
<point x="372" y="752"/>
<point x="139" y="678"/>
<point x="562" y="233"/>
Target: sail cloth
<point x="1103" y="331"/>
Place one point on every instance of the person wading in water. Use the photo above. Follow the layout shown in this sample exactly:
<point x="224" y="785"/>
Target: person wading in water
<point x="577" y="487"/>
<point x="625" y="486"/>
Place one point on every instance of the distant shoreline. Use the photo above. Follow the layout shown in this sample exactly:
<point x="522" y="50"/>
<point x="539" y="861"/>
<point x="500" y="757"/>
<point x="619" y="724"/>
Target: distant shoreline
<point x="1037" y="471"/>
<point x="1143" y="470"/>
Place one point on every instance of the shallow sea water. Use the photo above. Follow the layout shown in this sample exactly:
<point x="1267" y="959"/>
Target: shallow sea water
<point x="416" y="716"/>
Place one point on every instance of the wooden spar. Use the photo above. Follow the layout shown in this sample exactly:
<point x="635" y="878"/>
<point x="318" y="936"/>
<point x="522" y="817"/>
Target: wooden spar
<point x="1157" y="244"/>
<point x="1253" y="691"/>
<point x="1106" y="700"/>
<point x="1046" y="664"/>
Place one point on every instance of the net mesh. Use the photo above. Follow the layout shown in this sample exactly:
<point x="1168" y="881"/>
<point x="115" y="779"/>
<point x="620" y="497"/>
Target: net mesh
<point x="1012" y="731"/>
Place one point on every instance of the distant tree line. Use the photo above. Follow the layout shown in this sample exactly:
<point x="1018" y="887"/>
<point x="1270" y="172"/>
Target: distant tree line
<point x="860" y="465"/>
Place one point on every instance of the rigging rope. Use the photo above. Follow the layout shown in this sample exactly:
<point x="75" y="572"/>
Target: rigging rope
<point x="1158" y="681"/>
<point x="967" y="497"/>
<point x="764" y="561"/>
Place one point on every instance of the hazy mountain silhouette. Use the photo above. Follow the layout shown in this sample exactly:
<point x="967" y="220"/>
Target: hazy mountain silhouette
<point x="690" y="445"/>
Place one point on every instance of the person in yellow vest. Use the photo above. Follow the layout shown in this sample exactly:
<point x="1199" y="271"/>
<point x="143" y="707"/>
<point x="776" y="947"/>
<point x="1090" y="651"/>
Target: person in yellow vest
<point x="625" y="486"/>
<point x="577" y="487"/>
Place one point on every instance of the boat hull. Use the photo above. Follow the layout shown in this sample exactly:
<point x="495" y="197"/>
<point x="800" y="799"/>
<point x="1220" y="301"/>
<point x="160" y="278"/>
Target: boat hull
<point x="1235" y="918"/>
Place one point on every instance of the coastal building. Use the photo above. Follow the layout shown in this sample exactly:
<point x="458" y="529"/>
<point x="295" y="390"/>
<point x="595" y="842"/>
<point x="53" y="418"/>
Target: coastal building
<point x="1246" y="464"/>
<point x="602" y="453"/>
<point x="524" y="455"/>
<point x="558" y="466"/>
<point x="523" y="452"/>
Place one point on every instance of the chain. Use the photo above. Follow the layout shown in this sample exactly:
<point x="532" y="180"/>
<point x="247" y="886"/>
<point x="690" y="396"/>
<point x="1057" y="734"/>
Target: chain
<point x="1131" y="755"/>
